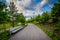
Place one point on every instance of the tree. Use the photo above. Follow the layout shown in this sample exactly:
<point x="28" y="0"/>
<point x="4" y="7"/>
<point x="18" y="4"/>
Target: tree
<point x="59" y="1"/>
<point x="56" y="18"/>
<point x="44" y="17"/>
<point x="20" y="18"/>
<point x="56" y="12"/>
<point x="37" y="18"/>
<point x="2" y="6"/>
<point x="3" y="14"/>
<point x="12" y="9"/>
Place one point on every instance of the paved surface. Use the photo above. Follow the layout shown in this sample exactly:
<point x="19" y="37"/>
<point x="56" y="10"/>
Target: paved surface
<point x="31" y="32"/>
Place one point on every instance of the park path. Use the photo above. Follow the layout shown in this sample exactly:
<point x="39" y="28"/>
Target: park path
<point x="31" y="32"/>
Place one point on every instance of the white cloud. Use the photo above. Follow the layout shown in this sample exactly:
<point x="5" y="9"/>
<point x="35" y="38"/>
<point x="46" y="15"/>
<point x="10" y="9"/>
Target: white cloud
<point x="25" y="3"/>
<point x="51" y="5"/>
<point x="20" y="4"/>
<point x="28" y="13"/>
<point x="40" y="5"/>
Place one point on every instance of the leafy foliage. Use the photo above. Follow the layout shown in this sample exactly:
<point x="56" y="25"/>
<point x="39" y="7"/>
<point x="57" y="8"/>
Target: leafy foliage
<point x="20" y="18"/>
<point x="44" y="17"/>
<point x="4" y="35"/>
<point x="57" y="27"/>
<point x="3" y="15"/>
<point x="2" y="6"/>
<point x="37" y="18"/>
<point x="56" y="12"/>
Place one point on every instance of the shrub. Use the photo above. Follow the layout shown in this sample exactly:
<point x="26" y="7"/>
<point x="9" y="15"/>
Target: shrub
<point x="57" y="27"/>
<point x="4" y="35"/>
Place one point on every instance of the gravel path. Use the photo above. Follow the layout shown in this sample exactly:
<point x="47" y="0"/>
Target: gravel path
<point x="31" y="32"/>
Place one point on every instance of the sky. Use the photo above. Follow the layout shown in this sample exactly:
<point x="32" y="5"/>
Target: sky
<point x="32" y="7"/>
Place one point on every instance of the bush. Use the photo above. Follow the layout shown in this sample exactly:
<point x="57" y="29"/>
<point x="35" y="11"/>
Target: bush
<point x="57" y="27"/>
<point x="4" y="35"/>
<point x="56" y="34"/>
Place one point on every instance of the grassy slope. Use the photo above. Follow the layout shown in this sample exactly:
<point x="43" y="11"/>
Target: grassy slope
<point x="47" y="31"/>
<point x="8" y="25"/>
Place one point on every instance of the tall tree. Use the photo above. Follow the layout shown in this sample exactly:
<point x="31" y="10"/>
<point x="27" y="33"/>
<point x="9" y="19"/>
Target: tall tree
<point x="37" y="17"/>
<point x="56" y="12"/>
<point x="20" y="18"/>
<point x="56" y="18"/>
<point x="12" y="9"/>
<point x="44" y="17"/>
<point x="3" y="14"/>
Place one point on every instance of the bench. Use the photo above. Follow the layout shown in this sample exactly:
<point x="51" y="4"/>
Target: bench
<point x="15" y="29"/>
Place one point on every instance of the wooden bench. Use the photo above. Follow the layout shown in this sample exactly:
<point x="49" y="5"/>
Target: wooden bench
<point x="15" y="29"/>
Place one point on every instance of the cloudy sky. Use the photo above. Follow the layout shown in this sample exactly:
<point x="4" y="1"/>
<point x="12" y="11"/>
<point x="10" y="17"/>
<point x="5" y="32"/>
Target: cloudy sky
<point x="32" y="7"/>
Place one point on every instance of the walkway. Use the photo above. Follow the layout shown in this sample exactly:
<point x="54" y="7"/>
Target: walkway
<point x="31" y="32"/>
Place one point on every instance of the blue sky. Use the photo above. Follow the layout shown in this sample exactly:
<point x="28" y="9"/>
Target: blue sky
<point x="33" y="7"/>
<point x="45" y="7"/>
<point x="2" y="0"/>
<point x="34" y="2"/>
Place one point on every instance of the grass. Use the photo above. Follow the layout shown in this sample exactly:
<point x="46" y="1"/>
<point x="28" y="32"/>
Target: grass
<point x="48" y="32"/>
<point x="4" y="35"/>
<point x="8" y="25"/>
